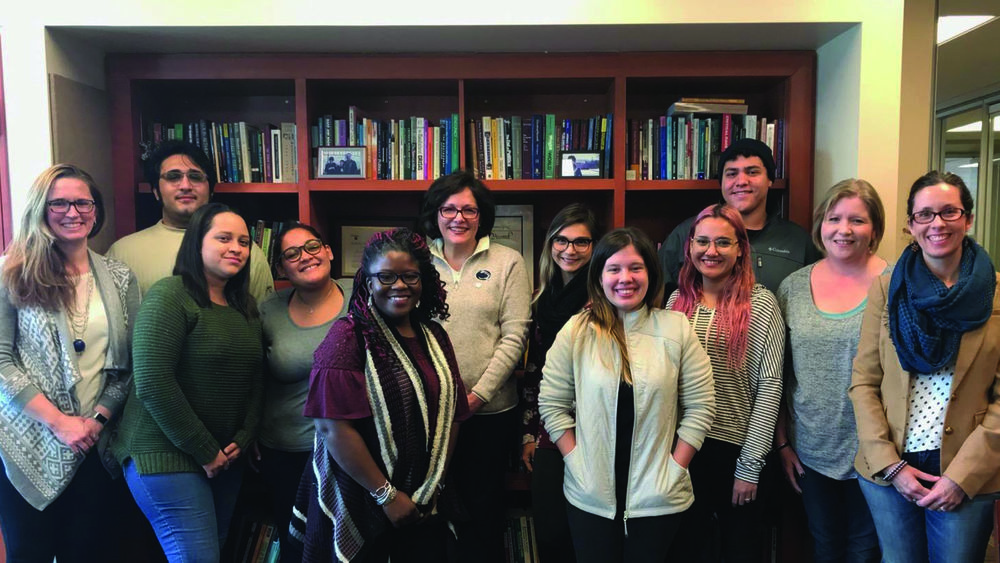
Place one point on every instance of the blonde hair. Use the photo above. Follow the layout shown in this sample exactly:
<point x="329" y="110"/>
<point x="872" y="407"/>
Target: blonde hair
<point x="851" y="187"/>
<point x="34" y="271"/>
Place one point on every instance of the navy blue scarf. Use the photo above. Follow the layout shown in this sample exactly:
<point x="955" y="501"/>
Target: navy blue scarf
<point x="926" y="318"/>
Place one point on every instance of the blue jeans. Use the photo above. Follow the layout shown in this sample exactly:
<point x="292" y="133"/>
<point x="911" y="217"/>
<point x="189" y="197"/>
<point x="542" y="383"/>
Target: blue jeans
<point x="839" y="520"/>
<point x="911" y="534"/>
<point x="190" y="513"/>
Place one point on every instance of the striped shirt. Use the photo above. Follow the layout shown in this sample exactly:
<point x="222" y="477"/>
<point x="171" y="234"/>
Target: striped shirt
<point x="746" y="400"/>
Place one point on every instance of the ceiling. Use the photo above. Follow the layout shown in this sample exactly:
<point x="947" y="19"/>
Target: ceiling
<point x="968" y="67"/>
<point x="469" y="39"/>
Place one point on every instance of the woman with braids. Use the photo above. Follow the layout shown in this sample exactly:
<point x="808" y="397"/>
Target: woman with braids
<point x="740" y="326"/>
<point x="926" y="386"/>
<point x="65" y="370"/>
<point x="387" y="398"/>
<point x="627" y="396"/>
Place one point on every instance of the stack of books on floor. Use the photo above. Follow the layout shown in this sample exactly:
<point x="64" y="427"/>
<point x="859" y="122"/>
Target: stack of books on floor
<point x="414" y="148"/>
<point x="519" y="539"/>
<point x="529" y="148"/>
<point x="258" y="544"/>
<point x="241" y="153"/>
<point x="685" y="143"/>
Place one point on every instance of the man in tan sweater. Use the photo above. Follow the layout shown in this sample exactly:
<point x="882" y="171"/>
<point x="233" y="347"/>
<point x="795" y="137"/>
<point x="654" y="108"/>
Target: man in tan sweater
<point x="182" y="179"/>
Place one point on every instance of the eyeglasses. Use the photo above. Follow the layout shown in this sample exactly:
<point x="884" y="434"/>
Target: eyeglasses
<point x="721" y="243"/>
<point x="468" y="213"/>
<point x="579" y="244"/>
<point x="949" y="214"/>
<point x="193" y="176"/>
<point x="63" y="205"/>
<point x="293" y="253"/>
<point x="389" y="278"/>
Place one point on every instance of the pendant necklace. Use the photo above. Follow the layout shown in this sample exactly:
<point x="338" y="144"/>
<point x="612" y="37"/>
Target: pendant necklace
<point x="78" y="320"/>
<point x="312" y="308"/>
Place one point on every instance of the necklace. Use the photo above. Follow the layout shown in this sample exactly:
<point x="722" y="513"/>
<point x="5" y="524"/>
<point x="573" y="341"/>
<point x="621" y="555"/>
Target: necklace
<point x="321" y="300"/>
<point x="79" y="320"/>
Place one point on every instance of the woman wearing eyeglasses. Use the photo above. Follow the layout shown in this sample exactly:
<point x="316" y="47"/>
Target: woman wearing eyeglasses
<point x="387" y="401"/>
<point x="740" y="326"/>
<point x="562" y="293"/>
<point x="294" y="323"/>
<point x="65" y="370"/>
<point x="926" y="386"/>
<point x="488" y="298"/>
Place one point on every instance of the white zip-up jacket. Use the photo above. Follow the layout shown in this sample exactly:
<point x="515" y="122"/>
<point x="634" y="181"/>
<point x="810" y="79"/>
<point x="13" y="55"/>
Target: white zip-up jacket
<point x="674" y="397"/>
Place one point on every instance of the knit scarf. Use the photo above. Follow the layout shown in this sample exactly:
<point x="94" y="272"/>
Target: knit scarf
<point x="407" y="448"/>
<point x="927" y="318"/>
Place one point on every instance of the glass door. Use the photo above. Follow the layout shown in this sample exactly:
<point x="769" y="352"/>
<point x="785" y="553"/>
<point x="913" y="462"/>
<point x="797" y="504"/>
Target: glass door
<point x="989" y="211"/>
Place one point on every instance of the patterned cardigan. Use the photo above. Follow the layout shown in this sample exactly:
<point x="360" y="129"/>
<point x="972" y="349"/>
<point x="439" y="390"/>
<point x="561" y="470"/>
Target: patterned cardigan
<point x="36" y="356"/>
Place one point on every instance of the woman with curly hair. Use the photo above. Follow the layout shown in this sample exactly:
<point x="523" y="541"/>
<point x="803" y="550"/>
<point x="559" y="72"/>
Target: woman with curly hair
<point x="387" y="398"/>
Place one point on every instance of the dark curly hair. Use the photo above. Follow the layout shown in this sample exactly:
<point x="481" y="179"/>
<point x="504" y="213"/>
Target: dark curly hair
<point x="432" y="298"/>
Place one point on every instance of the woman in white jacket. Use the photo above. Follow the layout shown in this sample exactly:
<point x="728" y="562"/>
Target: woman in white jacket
<point x="644" y="398"/>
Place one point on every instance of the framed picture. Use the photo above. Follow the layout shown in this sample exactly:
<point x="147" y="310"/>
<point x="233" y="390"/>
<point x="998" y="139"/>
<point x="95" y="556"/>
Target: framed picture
<point x="353" y="239"/>
<point x="514" y="228"/>
<point x="580" y="165"/>
<point x="340" y="162"/>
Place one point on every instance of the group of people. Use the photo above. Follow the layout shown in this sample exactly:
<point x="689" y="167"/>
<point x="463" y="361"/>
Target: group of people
<point x="381" y="416"/>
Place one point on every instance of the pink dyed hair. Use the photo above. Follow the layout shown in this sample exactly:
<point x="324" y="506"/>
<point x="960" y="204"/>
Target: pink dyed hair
<point x="732" y="311"/>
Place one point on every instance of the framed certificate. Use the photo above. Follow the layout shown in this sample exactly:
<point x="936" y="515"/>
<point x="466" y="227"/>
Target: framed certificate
<point x="352" y="245"/>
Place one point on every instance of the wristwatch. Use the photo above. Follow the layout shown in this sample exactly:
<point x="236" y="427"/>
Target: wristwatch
<point x="100" y="418"/>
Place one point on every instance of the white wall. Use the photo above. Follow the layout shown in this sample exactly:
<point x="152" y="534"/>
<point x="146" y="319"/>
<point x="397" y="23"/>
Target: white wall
<point x="874" y="58"/>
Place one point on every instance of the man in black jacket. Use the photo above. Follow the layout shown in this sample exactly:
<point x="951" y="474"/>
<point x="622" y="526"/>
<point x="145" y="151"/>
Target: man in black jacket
<point x="746" y="170"/>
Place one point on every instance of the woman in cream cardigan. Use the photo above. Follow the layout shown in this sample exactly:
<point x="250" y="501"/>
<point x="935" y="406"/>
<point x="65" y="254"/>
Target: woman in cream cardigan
<point x="926" y="386"/>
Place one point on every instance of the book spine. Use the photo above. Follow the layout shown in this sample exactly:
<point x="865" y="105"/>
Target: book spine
<point x="508" y="150"/>
<point x="779" y="152"/>
<point x="515" y="138"/>
<point x="526" y="149"/>
<point x="550" y="146"/>
<point x="488" y="147"/>
<point x="606" y="125"/>
<point x="473" y="154"/>
<point x="288" y="172"/>
<point x="455" y="136"/>
<point x="352" y="126"/>
<point x="537" y="142"/>
<point x="633" y="147"/>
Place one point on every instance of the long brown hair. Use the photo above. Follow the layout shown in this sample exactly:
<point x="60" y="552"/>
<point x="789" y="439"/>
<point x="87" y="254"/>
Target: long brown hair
<point x="34" y="271"/>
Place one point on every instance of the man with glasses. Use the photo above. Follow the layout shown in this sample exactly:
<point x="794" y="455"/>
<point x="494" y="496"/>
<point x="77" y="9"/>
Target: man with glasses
<point x="182" y="179"/>
<point x="746" y="170"/>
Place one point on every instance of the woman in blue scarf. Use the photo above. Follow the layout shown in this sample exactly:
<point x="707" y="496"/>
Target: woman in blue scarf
<point x="926" y="386"/>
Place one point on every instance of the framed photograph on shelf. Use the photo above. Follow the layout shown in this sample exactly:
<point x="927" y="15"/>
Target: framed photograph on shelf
<point x="514" y="228"/>
<point x="340" y="162"/>
<point x="583" y="164"/>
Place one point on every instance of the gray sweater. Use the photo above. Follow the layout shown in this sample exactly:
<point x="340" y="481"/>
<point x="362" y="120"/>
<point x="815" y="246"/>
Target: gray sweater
<point x="489" y="301"/>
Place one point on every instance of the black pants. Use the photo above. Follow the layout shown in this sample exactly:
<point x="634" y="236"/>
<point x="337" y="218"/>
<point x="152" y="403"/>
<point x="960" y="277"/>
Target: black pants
<point x="426" y="542"/>
<point x="80" y="525"/>
<point x="601" y="540"/>
<point x="485" y="445"/>
<point x="712" y="524"/>
<point x="548" y="503"/>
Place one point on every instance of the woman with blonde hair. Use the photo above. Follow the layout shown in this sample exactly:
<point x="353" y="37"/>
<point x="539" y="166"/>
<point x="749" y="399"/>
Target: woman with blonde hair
<point x="627" y="397"/>
<point x="816" y="437"/>
<point x="65" y="371"/>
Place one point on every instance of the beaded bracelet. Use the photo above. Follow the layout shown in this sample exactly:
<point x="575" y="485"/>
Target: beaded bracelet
<point x="894" y="470"/>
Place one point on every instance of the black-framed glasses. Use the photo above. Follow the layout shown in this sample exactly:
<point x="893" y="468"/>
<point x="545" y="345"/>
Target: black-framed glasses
<point x="293" y="253"/>
<point x="468" y="213"/>
<point x="949" y="214"/>
<point x="389" y="278"/>
<point x="63" y="205"/>
<point x="579" y="244"/>
<point x="721" y="243"/>
<point x="193" y="176"/>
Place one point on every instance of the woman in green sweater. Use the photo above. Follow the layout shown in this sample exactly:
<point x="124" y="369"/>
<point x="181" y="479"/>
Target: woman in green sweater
<point x="198" y="389"/>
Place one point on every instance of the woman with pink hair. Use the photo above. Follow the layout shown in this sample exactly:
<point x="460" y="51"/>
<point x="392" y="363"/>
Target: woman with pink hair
<point x="741" y="328"/>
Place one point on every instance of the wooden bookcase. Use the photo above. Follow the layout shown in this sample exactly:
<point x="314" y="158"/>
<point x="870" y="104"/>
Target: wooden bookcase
<point x="261" y="89"/>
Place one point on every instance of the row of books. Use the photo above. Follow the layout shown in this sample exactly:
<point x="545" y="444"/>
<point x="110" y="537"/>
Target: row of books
<point x="258" y="544"/>
<point x="264" y="235"/>
<point x="685" y="144"/>
<point x="239" y="152"/>
<point x="414" y="148"/>
<point x="519" y="540"/>
<point x="512" y="148"/>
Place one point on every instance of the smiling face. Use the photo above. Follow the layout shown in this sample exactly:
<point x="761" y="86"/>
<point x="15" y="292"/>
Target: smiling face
<point x="398" y="300"/>
<point x="847" y="230"/>
<point x="940" y="240"/>
<point x="308" y="270"/>
<point x="745" y="184"/>
<point x="570" y="260"/>
<point x="459" y="231"/>
<point x="711" y="262"/>
<point x="226" y="247"/>
<point x="71" y="226"/>
<point x="625" y="280"/>
<point x="182" y="198"/>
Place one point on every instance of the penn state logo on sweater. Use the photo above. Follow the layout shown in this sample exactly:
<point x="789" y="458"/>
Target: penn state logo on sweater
<point x="483" y="275"/>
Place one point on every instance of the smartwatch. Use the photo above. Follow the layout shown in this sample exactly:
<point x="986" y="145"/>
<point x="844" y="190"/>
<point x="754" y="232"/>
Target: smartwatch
<point x="100" y="418"/>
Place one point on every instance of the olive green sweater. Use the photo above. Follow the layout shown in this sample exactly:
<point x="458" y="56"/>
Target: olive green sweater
<point x="198" y="384"/>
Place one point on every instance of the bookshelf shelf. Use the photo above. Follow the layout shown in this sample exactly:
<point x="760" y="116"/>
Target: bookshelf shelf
<point x="256" y="188"/>
<point x="684" y="185"/>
